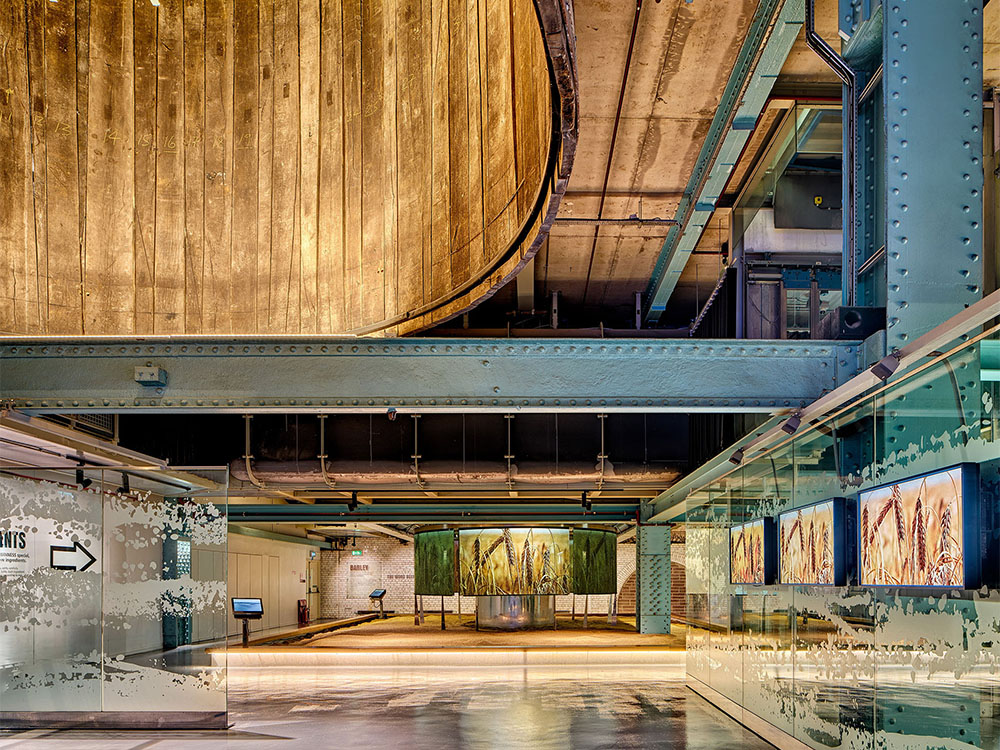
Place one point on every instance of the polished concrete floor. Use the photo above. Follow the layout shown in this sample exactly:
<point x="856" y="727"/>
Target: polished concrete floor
<point x="467" y="708"/>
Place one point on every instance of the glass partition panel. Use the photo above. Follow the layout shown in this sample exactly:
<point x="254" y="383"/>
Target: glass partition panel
<point x="846" y="666"/>
<point x="50" y="611"/>
<point x="114" y="597"/>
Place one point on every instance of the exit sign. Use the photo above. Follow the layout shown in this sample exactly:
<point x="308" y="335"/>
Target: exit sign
<point x="355" y="552"/>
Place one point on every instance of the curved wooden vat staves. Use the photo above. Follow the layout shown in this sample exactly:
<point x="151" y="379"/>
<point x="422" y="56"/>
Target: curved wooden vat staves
<point x="261" y="167"/>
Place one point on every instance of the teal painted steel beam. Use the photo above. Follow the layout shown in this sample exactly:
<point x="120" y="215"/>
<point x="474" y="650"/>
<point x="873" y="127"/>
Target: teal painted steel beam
<point x="470" y="512"/>
<point x="275" y="536"/>
<point x="418" y="375"/>
<point x="772" y="33"/>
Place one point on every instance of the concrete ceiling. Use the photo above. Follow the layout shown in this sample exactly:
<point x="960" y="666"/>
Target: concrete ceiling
<point x="683" y="55"/>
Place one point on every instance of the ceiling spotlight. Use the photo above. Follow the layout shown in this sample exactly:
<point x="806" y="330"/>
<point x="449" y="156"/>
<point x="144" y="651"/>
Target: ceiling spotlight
<point x="391" y="413"/>
<point x="81" y="480"/>
<point x="791" y="424"/>
<point x="885" y="367"/>
<point x="737" y="457"/>
<point x="124" y="489"/>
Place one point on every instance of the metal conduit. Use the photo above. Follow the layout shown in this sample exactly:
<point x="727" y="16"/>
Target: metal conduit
<point x="847" y="75"/>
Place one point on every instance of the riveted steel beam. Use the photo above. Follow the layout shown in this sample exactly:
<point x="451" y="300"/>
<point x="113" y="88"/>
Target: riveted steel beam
<point x="419" y="375"/>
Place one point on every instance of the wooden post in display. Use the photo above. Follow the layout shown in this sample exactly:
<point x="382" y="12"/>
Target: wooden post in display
<point x="442" y="613"/>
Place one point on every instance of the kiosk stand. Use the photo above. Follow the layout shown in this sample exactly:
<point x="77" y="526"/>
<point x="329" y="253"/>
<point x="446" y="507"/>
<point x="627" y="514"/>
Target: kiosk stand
<point x="246" y="610"/>
<point x="377" y="596"/>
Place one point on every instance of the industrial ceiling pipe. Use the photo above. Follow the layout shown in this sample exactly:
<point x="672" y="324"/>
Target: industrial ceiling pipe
<point x="847" y="75"/>
<point x="525" y="474"/>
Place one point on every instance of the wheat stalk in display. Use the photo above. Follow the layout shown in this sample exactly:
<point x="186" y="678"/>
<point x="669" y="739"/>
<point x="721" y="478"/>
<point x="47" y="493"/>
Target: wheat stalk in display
<point x="508" y="543"/>
<point x="944" y="544"/>
<point x="864" y="536"/>
<point x="920" y="536"/>
<point x="802" y="541"/>
<point x="812" y="549"/>
<point x="526" y="565"/>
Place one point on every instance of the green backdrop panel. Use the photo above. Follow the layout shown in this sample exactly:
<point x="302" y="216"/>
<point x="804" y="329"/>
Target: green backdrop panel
<point x="434" y="563"/>
<point x="595" y="562"/>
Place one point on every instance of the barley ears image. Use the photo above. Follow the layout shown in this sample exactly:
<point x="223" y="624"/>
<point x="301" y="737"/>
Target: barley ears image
<point x="806" y="556"/>
<point x="922" y="544"/>
<point x="532" y="561"/>
<point x="747" y="553"/>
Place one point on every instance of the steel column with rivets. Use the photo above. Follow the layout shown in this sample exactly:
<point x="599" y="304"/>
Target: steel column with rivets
<point x="932" y="92"/>
<point x="933" y="103"/>
<point x="652" y="578"/>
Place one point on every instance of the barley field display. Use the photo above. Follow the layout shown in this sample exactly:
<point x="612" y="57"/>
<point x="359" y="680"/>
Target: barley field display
<point x="746" y="553"/>
<point x="497" y="562"/>
<point x="806" y="550"/>
<point x="911" y="533"/>
<point x="434" y="563"/>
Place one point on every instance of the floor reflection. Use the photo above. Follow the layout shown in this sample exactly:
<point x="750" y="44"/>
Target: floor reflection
<point x="475" y="708"/>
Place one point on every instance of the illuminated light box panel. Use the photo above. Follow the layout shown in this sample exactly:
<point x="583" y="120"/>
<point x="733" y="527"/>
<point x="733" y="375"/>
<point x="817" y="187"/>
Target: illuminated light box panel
<point x="752" y="553"/>
<point x="922" y="531"/>
<point x="811" y="544"/>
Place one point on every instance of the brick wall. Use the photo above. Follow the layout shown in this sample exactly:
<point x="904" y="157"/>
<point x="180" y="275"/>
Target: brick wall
<point x="391" y="566"/>
<point x="678" y="598"/>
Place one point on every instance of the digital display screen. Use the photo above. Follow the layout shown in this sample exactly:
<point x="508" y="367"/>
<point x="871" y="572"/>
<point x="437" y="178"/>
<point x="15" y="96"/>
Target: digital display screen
<point x="811" y="545"/>
<point x="914" y="532"/>
<point x="377" y="594"/>
<point x="248" y="607"/>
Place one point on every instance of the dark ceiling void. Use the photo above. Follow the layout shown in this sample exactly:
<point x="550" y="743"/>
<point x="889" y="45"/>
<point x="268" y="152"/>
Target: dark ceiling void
<point x="656" y="441"/>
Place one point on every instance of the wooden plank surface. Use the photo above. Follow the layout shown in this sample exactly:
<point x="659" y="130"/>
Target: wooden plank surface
<point x="243" y="279"/>
<point x="283" y="302"/>
<point x="14" y="212"/>
<point x="331" y="298"/>
<point x="109" y="284"/>
<point x="413" y="154"/>
<point x="144" y="53"/>
<point x="194" y="162"/>
<point x="255" y="166"/>
<point x="441" y="240"/>
<point x="216" y="310"/>
<point x="168" y="270"/>
<point x="62" y="178"/>
<point x="354" y="290"/>
<point x="372" y="166"/>
<point x="309" y="72"/>
<point x="36" y="251"/>
<point x="265" y="159"/>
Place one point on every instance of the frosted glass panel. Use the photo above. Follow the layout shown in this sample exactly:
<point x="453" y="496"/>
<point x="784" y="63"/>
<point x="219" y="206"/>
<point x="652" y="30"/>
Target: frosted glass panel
<point x="50" y="610"/>
<point x="113" y="602"/>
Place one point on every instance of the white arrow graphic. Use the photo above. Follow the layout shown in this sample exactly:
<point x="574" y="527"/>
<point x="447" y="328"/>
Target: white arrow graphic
<point x="71" y="555"/>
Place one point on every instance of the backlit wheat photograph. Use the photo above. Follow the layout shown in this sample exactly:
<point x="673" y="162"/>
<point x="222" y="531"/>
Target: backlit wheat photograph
<point x="514" y="561"/>
<point x="805" y="544"/>
<point x="746" y="545"/>
<point x="911" y="532"/>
